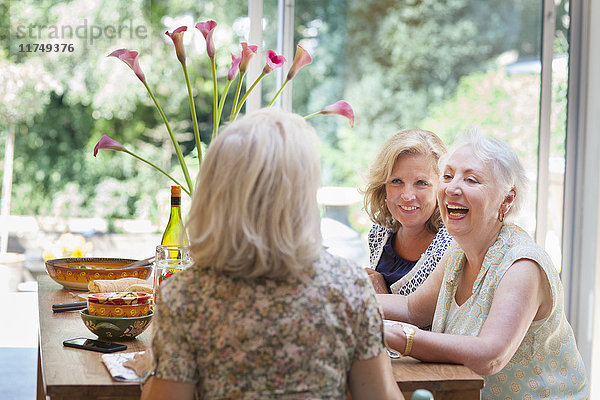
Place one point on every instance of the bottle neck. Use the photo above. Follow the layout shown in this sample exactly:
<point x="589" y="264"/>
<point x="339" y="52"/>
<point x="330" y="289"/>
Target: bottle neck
<point x="175" y="201"/>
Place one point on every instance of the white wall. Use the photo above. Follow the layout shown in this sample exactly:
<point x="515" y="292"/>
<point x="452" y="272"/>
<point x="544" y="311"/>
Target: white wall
<point x="581" y="231"/>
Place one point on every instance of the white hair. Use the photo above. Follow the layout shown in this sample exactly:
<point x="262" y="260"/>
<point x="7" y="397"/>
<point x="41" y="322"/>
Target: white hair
<point x="505" y="163"/>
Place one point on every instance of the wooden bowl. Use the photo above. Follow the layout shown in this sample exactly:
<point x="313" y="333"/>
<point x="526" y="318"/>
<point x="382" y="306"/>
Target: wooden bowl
<point x="116" y="329"/>
<point x="76" y="273"/>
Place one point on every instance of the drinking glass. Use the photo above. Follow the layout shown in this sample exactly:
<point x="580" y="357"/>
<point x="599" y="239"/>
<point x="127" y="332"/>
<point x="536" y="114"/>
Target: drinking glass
<point x="170" y="259"/>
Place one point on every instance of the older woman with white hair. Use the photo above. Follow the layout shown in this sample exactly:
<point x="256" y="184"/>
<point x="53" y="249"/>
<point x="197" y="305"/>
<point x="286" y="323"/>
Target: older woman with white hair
<point x="265" y="312"/>
<point x="496" y="301"/>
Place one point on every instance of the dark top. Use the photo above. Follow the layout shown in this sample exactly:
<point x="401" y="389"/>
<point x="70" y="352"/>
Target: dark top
<point x="391" y="265"/>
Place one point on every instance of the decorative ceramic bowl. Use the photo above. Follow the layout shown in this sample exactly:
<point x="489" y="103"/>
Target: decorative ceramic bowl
<point x="119" y="329"/>
<point x="118" y="310"/>
<point x="76" y="273"/>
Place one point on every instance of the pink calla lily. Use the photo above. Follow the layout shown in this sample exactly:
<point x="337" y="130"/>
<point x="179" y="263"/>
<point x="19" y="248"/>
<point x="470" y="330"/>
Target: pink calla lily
<point x="207" y="28"/>
<point x="106" y="142"/>
<point x="177" y="37"/>
<point x="130" y="58"/>
<point x="274" y="61"/>
<point x="235" y="67"/>
<point x="340" y="108"/>
<point x="247" y="53"/>
<point x="301" y="59"/>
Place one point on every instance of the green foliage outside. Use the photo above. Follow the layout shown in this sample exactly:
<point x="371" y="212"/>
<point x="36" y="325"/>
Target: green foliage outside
<point x="400" y="64"/>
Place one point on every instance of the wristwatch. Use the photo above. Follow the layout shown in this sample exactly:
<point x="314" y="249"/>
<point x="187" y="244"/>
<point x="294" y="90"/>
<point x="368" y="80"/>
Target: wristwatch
<point x="410" y="334"/>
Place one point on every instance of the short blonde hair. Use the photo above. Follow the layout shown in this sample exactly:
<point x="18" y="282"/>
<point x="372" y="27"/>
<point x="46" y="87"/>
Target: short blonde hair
<point x="409" y="141"/>
<point x="254" y="211"/>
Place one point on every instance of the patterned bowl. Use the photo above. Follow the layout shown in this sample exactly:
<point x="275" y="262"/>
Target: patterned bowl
<point x="118" y="310"/>
<point x="76" y="273"/>
<point x="116" y="329"/>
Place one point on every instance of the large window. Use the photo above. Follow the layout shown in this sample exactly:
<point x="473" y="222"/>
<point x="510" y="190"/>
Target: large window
<point x="442" y="66"/>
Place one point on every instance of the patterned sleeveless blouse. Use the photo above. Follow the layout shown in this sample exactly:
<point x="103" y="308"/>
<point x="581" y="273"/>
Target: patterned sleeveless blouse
<point x="379" y="235"/>
<point x="547" y="364"/>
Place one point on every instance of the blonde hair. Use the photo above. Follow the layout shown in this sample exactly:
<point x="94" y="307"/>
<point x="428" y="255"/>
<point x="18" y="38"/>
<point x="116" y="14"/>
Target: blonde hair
<point x="409" y="141"/>
<point x="254" y="211"/>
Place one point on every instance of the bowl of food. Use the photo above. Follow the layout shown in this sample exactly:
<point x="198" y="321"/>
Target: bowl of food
<point x="119" y="304"/>
<point x="75" y="273"/>
<point x="116" y="328"/>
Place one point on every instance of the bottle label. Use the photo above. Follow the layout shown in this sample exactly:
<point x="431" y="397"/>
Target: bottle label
<point x="175" y="201"/>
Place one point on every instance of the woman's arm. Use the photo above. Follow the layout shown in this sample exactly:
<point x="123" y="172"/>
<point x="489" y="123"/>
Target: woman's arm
<point x="522" y="296"/>
<point x="162" y="389"/>
<point x="378" y="281"/>
<point x="418" y="307"/>
<point x="373" y="379"/>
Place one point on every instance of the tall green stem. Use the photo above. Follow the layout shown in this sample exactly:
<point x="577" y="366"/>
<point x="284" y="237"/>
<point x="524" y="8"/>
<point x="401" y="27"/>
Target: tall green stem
<point x="278" y="92"/>
<point x="237" y="95"/>
<point x="312" y="115"/>
<point x="182" y="163"/>
<point x="193" y="110"/>
<point x="215" y="99"/>
<point x="243" y="100"/>
<point x="222" y="101"/>
<point x="158" y="168"/>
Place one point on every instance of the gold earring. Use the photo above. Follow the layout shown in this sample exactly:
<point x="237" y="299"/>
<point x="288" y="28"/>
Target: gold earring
<point x="501" y="216"/>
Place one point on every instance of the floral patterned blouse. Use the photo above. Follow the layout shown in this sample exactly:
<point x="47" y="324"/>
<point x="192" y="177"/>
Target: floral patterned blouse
<point x="264" y="339"/>
<point x="547" y="364"/>
<point x="378" y="237"/>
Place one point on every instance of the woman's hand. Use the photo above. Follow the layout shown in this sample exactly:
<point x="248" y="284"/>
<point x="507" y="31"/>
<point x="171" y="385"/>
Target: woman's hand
<point x="395" y="338"/>
<point x="378" y="281"/>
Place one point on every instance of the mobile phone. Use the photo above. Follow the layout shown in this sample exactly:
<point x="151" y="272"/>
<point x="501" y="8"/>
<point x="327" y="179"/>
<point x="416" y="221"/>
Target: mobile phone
<point x="94" y="345"/>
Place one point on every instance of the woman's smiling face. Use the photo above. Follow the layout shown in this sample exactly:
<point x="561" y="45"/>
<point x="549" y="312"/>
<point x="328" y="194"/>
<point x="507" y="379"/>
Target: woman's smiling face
<point x="411" y="189"/>
<point x="469" y="195"/>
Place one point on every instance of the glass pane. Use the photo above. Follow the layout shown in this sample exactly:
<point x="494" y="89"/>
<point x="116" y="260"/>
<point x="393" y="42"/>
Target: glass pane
<point x="560" y="74"/>
<point x="442" y="66"/>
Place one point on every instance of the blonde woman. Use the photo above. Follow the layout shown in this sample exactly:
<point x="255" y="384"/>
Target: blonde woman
<point x="408" y="238"/>
<point x="265" y="312"/>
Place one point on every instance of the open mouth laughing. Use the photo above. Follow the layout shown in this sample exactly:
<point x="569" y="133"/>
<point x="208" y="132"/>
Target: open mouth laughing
<point x="456" y="211"/>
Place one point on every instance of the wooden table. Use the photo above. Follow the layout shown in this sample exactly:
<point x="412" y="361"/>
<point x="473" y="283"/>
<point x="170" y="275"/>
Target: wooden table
<point x="74" y="374"/>
<point x="67" y="373"/>
<point x="445" y="381"/>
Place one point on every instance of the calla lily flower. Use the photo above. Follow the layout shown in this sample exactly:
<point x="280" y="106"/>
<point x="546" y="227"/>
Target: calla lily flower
<point x="207" y="28"/>
<point x="239" y="67"/>
<point x="177" y="37"/>
<point x="106" y="142"/>
<point x="235" y="67"/>
<point x="340" y="108"/>
<point x="301" y="59"/>
<point x="130" y="58"/>
<point x="274" y="61"/>
<point x="247" y="53"/>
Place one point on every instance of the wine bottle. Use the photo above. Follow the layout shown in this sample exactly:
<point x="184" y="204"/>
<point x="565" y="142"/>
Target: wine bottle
<point x="174" y="233"/>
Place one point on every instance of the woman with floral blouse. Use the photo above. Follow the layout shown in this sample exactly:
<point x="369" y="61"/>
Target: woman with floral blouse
<point x="265" y="312"/>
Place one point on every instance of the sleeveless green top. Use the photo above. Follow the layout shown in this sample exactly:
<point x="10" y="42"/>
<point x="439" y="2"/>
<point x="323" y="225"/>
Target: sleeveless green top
<point x="547" y="364"/>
